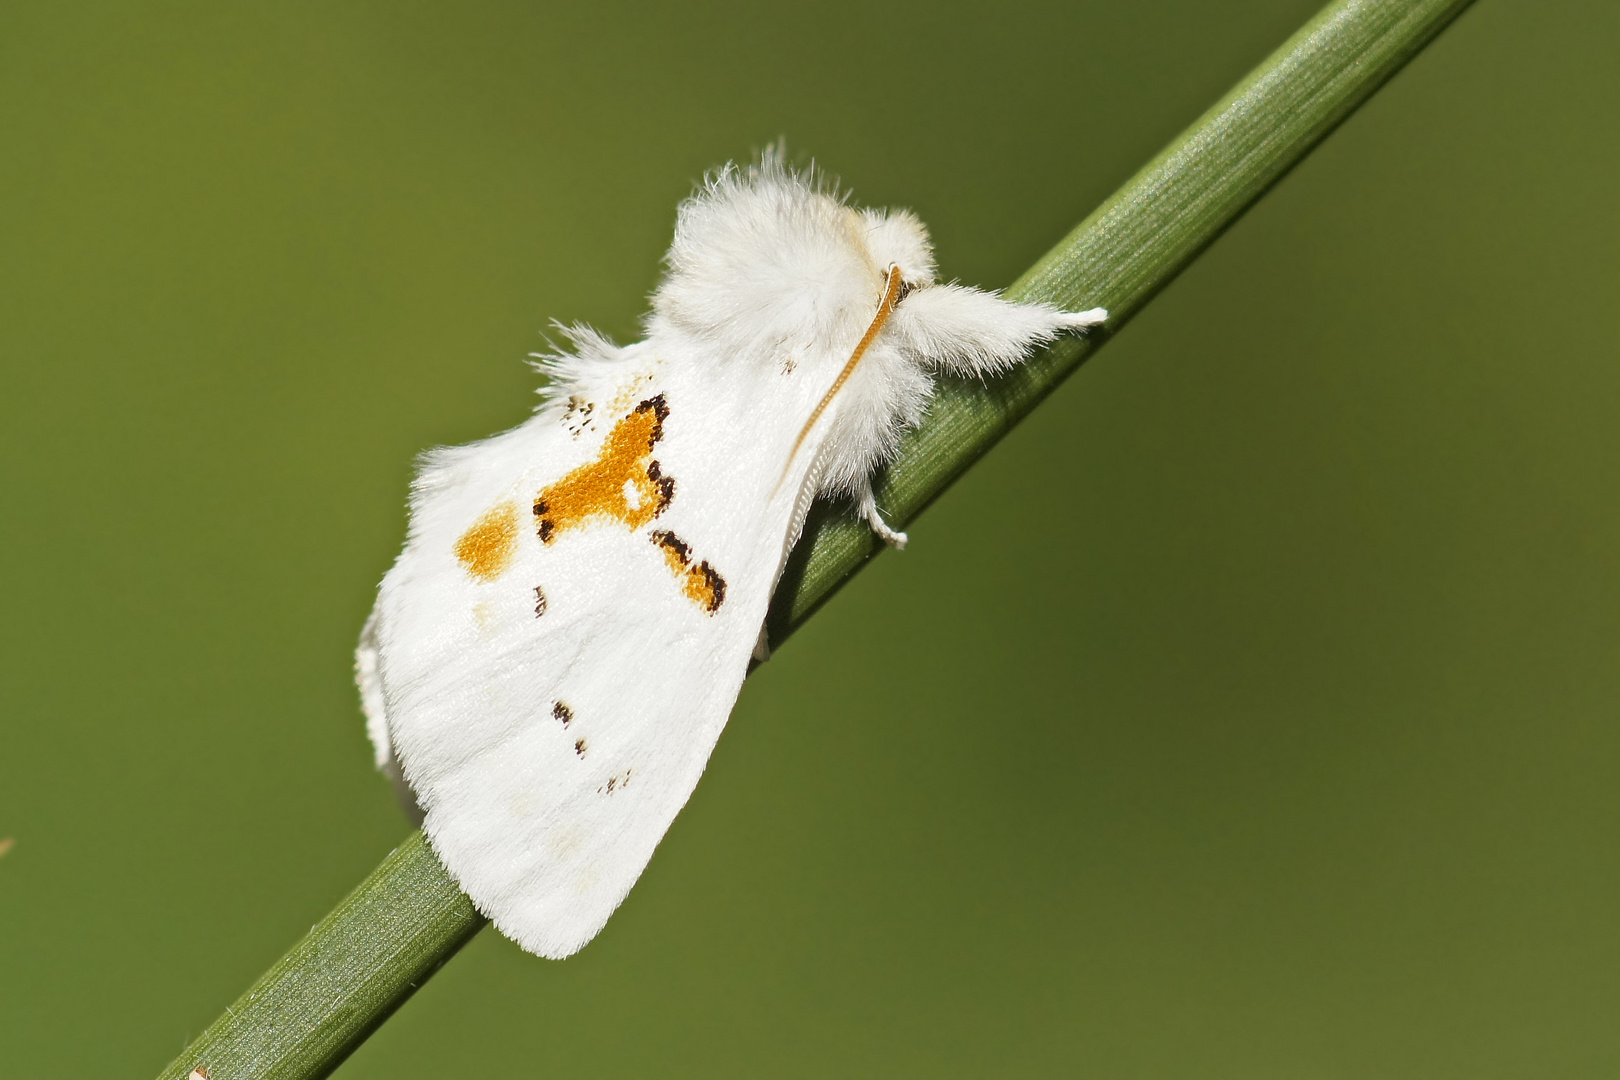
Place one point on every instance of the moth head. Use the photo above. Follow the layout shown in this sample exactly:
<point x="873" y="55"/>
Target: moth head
<point x="766" y="261"/>
<point x="898" y="238"/>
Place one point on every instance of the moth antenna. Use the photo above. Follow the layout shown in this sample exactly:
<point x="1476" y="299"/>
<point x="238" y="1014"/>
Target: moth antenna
<point x="891" y="296"/>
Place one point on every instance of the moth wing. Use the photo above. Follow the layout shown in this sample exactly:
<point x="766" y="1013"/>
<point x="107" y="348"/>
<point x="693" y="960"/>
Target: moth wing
<point x="554" y="698"/>
<point x="368" y="678"/>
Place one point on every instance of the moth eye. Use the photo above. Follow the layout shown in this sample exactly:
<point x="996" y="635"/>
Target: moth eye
<point x="906" y="289"/>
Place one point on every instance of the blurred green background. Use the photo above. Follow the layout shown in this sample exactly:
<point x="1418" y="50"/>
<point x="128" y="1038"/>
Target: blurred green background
<point x="1249" y="713"/>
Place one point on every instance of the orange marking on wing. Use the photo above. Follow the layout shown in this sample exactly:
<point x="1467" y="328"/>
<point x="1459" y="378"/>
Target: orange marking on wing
<point x="705" y="587"/>
<point x="623" y="484"/>
<point x="487" y="548"/>
<point x="702" y="583"/>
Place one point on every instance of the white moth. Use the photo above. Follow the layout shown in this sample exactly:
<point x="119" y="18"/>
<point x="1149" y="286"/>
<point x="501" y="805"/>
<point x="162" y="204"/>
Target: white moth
<point x="555" y="652"/>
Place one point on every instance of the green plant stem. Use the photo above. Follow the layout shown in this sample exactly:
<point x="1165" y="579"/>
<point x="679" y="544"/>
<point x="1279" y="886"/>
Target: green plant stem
<point x="1130" y="247"/>
<point x="322" y="999"/>
<point x="349" y="973"/>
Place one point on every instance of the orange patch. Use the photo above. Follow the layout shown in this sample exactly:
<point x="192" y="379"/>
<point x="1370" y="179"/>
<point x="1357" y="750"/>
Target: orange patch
<point x="487" y="548"/>
<point x="676" y="553"/>
<point x="702" y="583"/>
<point x="623" y="484"/>
<point x="705" y="587"/>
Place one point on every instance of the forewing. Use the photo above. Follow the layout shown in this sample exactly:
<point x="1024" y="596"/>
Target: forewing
<point x="559" y="651"/>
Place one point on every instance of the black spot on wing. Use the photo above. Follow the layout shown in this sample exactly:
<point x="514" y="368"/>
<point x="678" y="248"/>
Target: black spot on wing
<point x="664" y="484"/>
<point x="659" y="407"/>
<point x="578" y="416"/>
